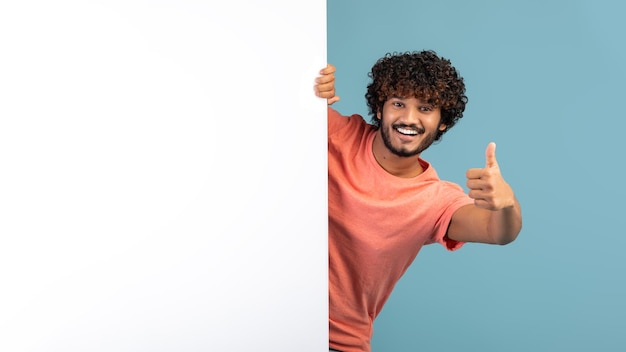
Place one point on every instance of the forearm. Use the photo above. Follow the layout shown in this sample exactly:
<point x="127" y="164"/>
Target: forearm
<point x="505" y="224"/>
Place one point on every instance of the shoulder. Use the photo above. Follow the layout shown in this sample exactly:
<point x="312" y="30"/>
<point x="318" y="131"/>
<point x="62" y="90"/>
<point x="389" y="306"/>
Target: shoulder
<point x="337" y="121"/>
<point x="444" y="192"/>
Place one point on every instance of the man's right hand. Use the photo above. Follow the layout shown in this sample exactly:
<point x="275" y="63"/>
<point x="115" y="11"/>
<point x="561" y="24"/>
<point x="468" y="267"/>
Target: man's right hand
<point x="325" y="85"/>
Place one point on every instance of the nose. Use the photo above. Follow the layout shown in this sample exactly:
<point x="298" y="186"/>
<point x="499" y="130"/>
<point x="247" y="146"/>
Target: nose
<point x="413" y="116"/>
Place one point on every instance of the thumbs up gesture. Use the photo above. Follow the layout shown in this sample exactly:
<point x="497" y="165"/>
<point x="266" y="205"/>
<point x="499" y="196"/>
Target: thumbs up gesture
<point x="486" y="185"/>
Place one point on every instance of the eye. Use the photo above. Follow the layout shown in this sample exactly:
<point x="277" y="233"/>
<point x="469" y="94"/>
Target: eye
<point x="426" y="108"/>
<point x="398" y="104"/>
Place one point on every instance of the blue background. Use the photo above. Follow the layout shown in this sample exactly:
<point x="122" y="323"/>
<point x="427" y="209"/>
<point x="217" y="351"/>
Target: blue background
<point x="545" y="82"/>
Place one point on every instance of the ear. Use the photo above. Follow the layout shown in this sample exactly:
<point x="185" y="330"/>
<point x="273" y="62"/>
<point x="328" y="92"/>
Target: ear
<point x="378" y="114"/>
<point x="443" y="127"/>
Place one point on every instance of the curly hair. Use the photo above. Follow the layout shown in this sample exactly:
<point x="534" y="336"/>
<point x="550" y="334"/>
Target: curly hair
<point x="419" y="74"/>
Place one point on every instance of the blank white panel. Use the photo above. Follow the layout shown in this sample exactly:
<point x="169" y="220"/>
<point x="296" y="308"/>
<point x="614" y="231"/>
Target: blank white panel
<point x="162" y="176"/>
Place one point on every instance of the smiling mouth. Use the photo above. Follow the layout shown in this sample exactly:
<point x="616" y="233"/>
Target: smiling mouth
<point x="409" y="131"/>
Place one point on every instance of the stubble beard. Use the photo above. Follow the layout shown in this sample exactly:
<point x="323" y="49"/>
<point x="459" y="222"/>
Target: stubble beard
<point x="427" y="140"/>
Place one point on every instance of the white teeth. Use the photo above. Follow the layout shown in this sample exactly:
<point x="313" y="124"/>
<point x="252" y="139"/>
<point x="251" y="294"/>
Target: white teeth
<point x="407" y="131"/>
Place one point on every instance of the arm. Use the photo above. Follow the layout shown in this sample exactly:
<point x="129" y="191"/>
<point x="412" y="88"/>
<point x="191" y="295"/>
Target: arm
<point x="325" y="85"/>
<point x="495" y="217"/>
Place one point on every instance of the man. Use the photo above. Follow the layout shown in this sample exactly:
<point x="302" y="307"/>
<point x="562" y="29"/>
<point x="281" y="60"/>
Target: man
<point x="385" y="202"/>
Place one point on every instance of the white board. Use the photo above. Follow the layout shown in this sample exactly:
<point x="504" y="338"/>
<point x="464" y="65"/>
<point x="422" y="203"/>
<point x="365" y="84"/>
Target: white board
<point x="162" y="176"/>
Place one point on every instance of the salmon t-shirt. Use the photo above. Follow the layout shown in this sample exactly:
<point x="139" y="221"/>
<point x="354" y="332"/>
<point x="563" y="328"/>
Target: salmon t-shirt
<point x="377" y="224"/>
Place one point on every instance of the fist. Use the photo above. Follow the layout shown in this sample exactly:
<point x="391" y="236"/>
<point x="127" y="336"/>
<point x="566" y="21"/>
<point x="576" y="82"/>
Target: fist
<point x="487" y="187"/>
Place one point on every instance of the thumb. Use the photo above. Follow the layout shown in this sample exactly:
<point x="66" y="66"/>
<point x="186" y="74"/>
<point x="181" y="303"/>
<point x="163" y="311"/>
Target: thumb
<point x="490" y="155"/>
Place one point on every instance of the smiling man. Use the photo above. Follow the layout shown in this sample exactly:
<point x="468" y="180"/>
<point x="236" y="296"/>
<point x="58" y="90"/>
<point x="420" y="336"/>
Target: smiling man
<point x="385" y="202"/>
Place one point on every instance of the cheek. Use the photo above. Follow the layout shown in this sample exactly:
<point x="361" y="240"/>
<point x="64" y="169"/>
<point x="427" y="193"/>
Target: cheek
<point x="434" y="124"/>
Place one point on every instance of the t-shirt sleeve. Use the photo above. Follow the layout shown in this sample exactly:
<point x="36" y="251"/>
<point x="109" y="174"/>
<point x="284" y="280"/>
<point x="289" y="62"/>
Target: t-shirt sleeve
<point x="337" y="122"/>
<point x="452" y="197"/>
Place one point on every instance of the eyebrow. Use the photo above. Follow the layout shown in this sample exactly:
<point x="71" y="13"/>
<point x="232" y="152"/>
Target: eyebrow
<point x="420" y="102"/>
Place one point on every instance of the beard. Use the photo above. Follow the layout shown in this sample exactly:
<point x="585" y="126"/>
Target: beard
<point x="427" y="140"/>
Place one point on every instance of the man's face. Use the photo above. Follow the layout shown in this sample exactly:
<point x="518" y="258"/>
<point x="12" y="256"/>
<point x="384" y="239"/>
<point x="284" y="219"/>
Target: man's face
<point x="408" y="126"/>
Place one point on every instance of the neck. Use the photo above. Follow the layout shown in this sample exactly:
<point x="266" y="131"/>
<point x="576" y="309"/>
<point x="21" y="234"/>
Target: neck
<point x="400" y="166"/>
